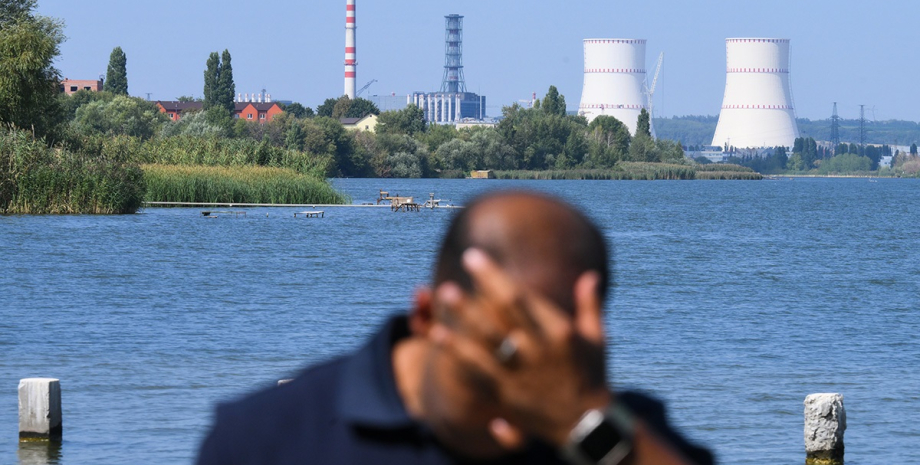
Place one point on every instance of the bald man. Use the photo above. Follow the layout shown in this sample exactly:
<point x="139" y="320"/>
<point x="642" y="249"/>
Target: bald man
<point x="501" y="361"/>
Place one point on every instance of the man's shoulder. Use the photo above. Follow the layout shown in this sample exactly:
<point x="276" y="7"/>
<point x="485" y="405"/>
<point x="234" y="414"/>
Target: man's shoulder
<point x="268" y="425"/>
<point x="315" y="386"/>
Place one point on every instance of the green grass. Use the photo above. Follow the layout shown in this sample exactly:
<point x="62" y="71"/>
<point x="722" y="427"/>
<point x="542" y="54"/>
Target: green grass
<point x="238" y="184"/>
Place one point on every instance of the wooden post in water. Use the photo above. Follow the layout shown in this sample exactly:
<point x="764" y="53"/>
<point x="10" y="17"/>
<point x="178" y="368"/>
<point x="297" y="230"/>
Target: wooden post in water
<point x="40" y="409"/>
<point x="825" y="422"/>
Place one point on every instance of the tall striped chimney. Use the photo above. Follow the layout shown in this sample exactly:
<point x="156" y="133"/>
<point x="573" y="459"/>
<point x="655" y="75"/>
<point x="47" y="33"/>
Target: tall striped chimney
<point x="350" y="52"/>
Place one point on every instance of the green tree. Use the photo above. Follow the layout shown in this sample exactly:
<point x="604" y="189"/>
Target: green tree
<point x="643" y="124"/>
<point x="846" y="163"/>
<point x="212" y="81"/>
<point x="71" y="103"/>
<point x="298" y="111"/>
<point x="408" y="121"/>
<point x="554" y="102"/>
<point x="122" y="115"/>
<point x="116" y="76"/>
<point x="643" y="148"/>
<point x="360" y="108"/>
<point x="29" y="83"/>
<point x="187" y="98"/>
<point x="326" y="108"/>
<point x="225" y="85"/>
<point x="295" y="138"/>
<point x="609" y="142"/>
<point x="342" y="105"/>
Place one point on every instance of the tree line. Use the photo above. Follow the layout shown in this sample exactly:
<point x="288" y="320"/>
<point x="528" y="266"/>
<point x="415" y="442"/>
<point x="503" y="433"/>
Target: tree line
<point x="698" y="130"/>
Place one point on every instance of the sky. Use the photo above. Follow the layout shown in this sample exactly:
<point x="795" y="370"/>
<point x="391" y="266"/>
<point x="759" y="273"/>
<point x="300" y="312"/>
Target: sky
<point x="842" y="51"/>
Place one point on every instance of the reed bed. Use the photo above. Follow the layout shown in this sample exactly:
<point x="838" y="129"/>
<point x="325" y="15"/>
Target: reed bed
<point x="35" y="179"/>
<point x="729" y="175"/>
<point x="213" y="151"/>
<point x="655" y="171"/>
<point x="239" y="184"/>
<point x="724" y="167"/>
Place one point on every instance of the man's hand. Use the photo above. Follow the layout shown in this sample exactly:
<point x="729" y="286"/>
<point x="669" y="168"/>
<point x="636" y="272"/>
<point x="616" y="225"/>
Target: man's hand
<point x="545" y="366"/>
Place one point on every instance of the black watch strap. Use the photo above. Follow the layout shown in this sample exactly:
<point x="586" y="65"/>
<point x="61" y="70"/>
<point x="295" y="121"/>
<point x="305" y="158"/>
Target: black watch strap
<point x="601" y="437"/>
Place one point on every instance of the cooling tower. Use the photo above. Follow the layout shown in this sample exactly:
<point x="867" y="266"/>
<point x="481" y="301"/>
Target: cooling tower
<point x="757" y="110"/>
<point x="350" y="49"/>
<point x="614" y="80"/>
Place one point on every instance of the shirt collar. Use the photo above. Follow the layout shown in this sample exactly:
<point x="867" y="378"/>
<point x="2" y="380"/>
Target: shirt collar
<point x="369" y="395"/>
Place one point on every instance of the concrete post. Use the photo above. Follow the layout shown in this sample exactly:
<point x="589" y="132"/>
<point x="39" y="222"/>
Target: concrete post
<point x="40" y="409"/>
<point x="825" y="423"/>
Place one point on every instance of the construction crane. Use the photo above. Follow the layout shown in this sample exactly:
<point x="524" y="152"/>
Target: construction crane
<point x="358" y="94"/>
<point x="650" y="93"/>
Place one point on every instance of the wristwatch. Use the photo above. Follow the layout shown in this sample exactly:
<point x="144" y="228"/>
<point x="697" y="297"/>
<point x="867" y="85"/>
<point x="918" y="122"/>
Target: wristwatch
<point x="601" y="437"/>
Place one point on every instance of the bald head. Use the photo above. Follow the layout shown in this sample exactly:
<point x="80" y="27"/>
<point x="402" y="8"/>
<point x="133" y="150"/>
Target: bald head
<point x="542" y="242"/>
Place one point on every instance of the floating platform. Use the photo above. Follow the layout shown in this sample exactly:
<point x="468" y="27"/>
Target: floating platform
<point x="215" y="214"/>
<point x="313" y="214"/>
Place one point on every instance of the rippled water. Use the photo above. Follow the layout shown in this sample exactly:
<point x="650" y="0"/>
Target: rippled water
<point x="734" y="300"/>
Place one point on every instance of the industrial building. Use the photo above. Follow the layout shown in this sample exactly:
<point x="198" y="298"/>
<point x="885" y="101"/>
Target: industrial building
<point x="452" y="103"/>
<point x="615" y="79"/>
<point x="757" y="110"/>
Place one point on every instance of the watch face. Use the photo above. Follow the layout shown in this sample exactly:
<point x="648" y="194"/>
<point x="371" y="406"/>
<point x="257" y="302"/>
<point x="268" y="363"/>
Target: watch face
<point x="599" y="442"/>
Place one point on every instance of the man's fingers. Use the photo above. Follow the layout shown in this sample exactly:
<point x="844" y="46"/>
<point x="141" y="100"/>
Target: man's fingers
<point x="507" y="436"/>
<point x="496" y="288"/>
<point x="463" y="314"/>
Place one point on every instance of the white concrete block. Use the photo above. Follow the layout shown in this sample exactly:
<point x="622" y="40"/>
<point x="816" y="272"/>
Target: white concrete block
<point x="825" y="423"/>
<point x="40" y="409"/>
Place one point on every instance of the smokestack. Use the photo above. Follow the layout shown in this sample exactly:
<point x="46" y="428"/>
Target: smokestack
<point x="350" y="51"/>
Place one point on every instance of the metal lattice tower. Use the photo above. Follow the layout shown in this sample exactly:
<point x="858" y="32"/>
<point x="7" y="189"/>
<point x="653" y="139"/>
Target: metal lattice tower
<point x="835" y="127"/>
<point x="453" y="81"/>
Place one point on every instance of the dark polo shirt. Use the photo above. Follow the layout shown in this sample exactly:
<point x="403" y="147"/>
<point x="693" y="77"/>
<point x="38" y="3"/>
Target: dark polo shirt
<point x="348" y="411"/>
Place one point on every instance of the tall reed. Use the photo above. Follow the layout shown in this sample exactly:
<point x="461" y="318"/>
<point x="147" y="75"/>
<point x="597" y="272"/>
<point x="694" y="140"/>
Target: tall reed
<point x="239" y="184"/>
<point x="35" y="179"/>
<point x="214" y="151"/>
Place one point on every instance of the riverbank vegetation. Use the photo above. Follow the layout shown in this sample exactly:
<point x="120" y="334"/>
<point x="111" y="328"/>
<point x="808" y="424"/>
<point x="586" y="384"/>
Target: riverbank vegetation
<point x="249" y="184"/>
<point x="100" y="152"/>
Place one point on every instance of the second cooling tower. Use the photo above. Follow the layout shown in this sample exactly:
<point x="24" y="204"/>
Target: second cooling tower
<point x="614" y="80"/>
<point x="757" y="110"/>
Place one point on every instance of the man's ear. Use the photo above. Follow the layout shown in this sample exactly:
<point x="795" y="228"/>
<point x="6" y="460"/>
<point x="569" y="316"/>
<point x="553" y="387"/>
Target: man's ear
<point x="589" y="320"/>
<point x="422" y="316"/>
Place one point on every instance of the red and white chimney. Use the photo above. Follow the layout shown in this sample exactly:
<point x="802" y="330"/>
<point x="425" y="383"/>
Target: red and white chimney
<point x="350" y="52"/>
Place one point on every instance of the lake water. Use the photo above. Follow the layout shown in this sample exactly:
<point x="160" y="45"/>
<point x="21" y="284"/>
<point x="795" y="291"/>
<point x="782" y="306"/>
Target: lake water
<point x="733" y="301"/>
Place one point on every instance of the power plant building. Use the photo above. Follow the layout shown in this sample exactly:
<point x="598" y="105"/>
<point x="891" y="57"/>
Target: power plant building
<point x="452" y="103"/>
<point x="757" y="110"/>
<point x="614" y="80"/>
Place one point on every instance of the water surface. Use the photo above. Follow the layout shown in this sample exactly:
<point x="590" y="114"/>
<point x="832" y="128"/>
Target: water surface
<point x="733" y="301"/>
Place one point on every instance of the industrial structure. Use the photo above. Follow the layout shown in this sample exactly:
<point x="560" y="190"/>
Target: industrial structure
<point x="351" y="55"/>
<point x="757" y="110"/>
<point x="452" y="103"/>
<point x="614" y="80"/>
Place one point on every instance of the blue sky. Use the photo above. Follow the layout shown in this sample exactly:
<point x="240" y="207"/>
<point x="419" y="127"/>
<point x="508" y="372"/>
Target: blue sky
<point x="845" y="51"/>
